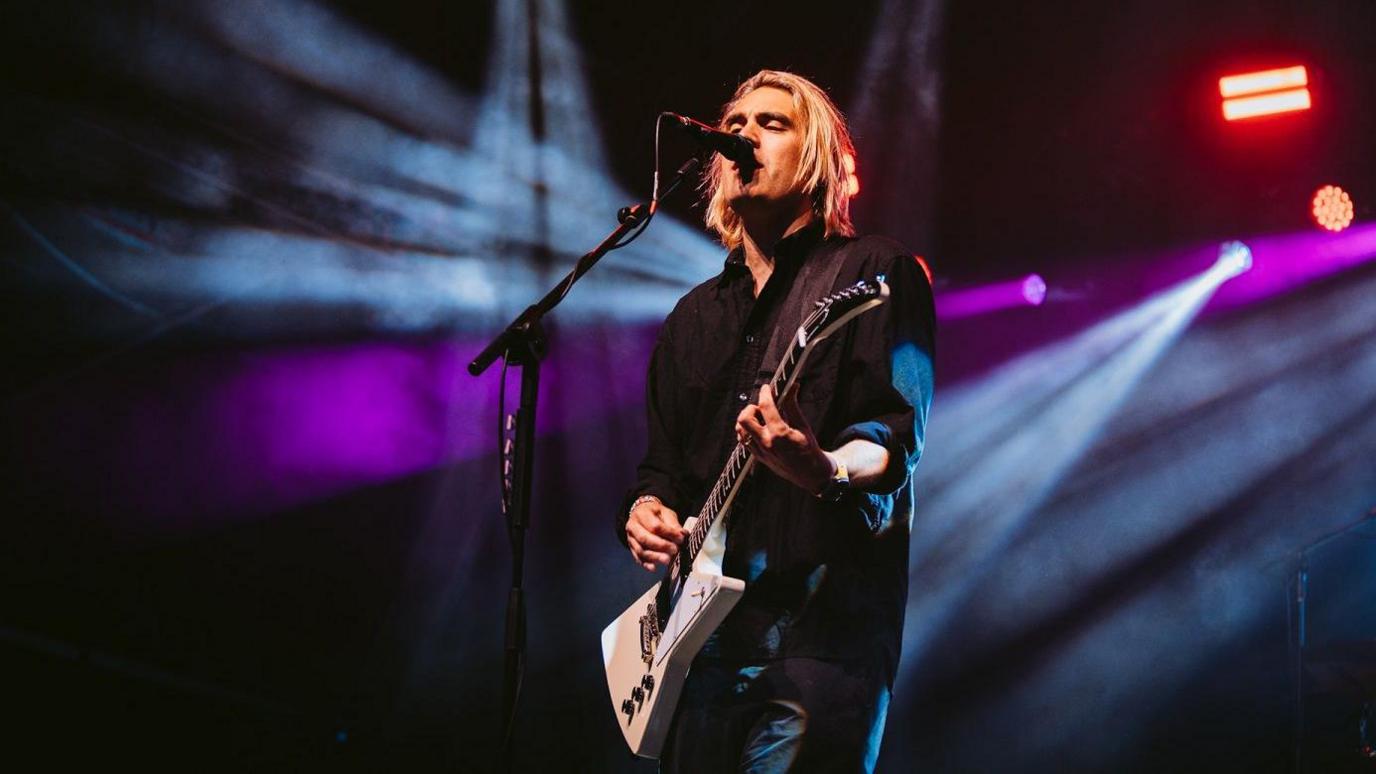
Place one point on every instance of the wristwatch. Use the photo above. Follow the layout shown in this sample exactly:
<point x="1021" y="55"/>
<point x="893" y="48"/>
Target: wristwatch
<point x="839" y="483"/>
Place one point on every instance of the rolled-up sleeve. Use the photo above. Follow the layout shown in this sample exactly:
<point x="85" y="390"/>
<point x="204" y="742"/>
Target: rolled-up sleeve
<point x="892" y="367"/>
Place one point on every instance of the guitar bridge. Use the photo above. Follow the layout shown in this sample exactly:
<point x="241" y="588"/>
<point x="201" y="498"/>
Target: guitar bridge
<point x="649" y="633"/>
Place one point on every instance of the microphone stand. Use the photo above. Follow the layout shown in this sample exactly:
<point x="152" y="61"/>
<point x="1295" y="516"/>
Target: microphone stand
<point x="1299" y="636"/>
<point x="522" y="343"/>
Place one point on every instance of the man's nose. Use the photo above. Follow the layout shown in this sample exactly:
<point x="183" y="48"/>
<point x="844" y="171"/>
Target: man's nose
<point x="751" y="132"/>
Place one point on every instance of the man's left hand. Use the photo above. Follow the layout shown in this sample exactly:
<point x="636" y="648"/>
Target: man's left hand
<point x="780" y="437"/>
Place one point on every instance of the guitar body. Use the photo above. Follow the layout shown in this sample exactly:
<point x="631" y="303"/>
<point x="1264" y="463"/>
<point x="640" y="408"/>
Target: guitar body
<point x="645" y="673"/>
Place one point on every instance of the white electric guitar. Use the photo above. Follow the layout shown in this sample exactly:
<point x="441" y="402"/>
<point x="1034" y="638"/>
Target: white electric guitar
<point x="647" y="650"/>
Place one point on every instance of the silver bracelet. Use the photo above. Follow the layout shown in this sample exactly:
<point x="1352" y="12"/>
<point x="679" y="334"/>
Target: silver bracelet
<point x="642" y="499"/>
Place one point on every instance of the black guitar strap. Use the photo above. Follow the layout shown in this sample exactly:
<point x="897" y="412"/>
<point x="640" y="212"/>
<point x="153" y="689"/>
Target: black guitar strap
<point x="816" y="279"/>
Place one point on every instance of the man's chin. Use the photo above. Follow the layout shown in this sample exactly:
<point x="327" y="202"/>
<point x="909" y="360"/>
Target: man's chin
<point x="746" y="201"/>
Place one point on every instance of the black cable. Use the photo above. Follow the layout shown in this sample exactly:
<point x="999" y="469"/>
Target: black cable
<point x="503" y="490"/>
<point x="654" y="194"/>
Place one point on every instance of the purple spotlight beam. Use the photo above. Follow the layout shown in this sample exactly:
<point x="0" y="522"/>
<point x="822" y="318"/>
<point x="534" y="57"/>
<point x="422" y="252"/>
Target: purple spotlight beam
<point x="1009" y="294"/>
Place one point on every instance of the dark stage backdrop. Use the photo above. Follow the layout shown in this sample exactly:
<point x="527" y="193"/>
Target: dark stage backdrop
<point x="250" y="492"/>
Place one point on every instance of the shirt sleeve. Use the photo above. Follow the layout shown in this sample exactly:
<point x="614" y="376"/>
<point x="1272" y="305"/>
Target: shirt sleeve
<point x="660" y="470"/>
<point x="892" y="366"/>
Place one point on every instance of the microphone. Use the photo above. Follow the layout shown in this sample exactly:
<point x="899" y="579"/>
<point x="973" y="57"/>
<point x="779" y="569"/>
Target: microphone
<point x="733" y="146"/>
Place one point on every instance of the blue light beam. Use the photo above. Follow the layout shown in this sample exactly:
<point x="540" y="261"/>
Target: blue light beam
<point x="977" y="498"/>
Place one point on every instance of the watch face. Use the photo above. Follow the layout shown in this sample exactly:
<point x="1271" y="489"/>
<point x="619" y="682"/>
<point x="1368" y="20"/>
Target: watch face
<point x="835" y="489"/>
<point x="839" y="483"/>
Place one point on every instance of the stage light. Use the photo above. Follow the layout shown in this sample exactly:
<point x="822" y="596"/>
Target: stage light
<point x="1034" y="289"/>
<point x="1264" y="93"/>
<point x="995" y="297"/>
<point x="1265" y="80"/>
<point x="1266" y="104"/>
<point x="1332" y="208"/>
<point x="396" y="248"/>
<point x="1234" y="258"/>
<point x="1009" y="438"/>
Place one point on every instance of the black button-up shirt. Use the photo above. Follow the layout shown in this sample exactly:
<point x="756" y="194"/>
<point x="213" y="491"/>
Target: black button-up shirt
<point x="824" y="580"/>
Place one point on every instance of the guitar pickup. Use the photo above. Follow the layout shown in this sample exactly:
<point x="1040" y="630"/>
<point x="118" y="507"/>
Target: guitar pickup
<point x="649" y="633"/>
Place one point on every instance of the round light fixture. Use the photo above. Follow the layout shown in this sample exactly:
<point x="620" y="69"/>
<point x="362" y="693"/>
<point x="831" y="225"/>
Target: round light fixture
<point x="1332" y="208"/>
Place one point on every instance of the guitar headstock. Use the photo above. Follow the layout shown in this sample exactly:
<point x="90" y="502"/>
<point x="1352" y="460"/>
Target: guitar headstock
<point x="840" y="307"/>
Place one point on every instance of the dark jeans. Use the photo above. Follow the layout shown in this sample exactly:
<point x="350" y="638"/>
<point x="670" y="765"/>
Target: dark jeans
<point x="793" y="714"/>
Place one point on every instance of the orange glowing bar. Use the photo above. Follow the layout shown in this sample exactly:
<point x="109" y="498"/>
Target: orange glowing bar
<point x="1266" y="104"/>
<point x="1266" y="80"/>
<point x="926" y="268"/>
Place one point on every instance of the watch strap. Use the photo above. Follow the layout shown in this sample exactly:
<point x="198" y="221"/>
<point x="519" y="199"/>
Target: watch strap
<point x="839" y="483"/>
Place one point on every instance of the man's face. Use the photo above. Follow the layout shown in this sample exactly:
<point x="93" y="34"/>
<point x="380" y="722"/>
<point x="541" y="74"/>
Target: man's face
<point x="766" y="117"/>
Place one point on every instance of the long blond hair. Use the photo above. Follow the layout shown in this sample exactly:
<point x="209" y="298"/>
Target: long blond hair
<point x="822" y="168"/>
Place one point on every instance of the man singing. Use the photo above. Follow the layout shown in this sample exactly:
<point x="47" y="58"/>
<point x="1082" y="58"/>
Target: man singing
<point x="798" y="677"/>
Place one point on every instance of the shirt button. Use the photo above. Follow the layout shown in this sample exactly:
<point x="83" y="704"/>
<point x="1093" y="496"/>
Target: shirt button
<point x="743" y="397"/>
<point x="750" y="338"/>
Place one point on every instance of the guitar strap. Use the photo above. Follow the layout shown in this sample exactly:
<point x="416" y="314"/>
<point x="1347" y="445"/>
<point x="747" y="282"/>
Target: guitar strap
<point x="813" y="282"/>
<point x="816" y="279"/>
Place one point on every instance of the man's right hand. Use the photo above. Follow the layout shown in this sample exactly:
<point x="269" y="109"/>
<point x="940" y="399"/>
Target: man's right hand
<point x="654" y="534"/>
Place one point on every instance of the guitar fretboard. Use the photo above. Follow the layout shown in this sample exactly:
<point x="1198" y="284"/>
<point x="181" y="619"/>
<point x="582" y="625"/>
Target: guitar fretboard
<point x="721" y="492"/>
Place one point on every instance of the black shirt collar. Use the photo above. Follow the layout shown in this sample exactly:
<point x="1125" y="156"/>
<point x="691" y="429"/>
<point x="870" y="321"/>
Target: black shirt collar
<point x="790" y="249"/>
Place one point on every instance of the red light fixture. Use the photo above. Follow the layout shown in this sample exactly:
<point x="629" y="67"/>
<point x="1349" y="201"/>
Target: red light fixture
<point x="1265" y="92"/>
<point x="1332" y="208"/>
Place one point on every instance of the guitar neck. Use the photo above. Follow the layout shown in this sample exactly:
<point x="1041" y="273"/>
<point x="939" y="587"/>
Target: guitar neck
<point x="736" y="468"/>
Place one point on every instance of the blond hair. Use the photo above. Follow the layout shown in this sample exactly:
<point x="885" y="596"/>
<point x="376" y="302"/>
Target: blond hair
<point x="822" y="166"/>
